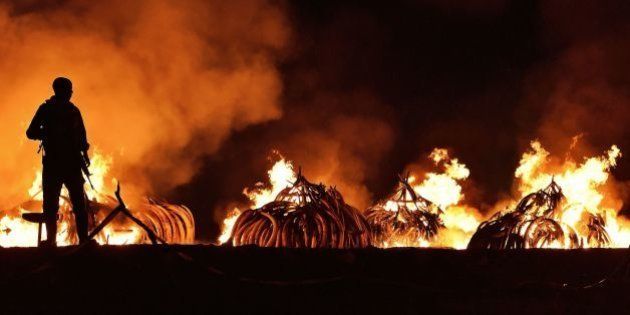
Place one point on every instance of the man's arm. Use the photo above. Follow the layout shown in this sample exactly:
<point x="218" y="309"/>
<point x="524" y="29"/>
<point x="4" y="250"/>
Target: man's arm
<point x="35" y="130"/>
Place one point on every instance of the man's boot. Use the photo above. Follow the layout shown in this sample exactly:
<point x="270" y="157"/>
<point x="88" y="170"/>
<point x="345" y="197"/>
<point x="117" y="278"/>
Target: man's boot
<point x="51" y="233"/>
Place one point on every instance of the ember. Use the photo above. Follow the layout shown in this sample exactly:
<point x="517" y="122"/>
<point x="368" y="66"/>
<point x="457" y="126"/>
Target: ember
<point x="303" y="215"/>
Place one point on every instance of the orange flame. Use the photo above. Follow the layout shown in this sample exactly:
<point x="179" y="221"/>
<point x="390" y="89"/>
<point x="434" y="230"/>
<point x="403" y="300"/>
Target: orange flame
<point x="584" y="188"/>
<point x="444" y="189"/>
<point x="281" y="175"/>
<point x="14" y="231"/>
<point x="583" y="185"/>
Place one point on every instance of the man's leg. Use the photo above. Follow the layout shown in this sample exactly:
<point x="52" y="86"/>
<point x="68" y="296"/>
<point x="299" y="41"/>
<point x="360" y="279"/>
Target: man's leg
<point x="51" y="186"/>
<point x="77" y="197"/>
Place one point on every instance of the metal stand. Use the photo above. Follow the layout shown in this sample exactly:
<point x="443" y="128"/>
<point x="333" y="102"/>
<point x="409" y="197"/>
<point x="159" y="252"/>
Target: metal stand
<point x="35" y="217"/>
<point x="122" y="208"/>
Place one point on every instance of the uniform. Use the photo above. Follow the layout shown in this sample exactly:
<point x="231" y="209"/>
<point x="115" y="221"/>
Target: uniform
<point x="60" y="126"/>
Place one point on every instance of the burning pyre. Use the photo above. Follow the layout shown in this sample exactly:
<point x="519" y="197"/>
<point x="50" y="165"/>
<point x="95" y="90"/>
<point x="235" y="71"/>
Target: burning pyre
<point x="303" y="215"/>
<point x="536" y="223"/>
<point x="442" y="188"/>
<point x="173" y="223"/>
<point x="296" y="213"/>
<point x="427" y="213"/>
<point x="563" y="206"/>
<point x="404" y="219"/>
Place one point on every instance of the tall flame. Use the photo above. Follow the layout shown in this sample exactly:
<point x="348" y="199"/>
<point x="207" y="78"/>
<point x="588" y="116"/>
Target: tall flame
<point x="583" y="185"/>
<point x="442" y="188"/>
<point x="445" y="190"/>
<point x="280" y="176"/>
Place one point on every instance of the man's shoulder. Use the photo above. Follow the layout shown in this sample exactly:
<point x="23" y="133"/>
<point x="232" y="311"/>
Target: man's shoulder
<point x="74" y="108"/>
<point x="45" y="106"/>
<point x="49" y="105"/>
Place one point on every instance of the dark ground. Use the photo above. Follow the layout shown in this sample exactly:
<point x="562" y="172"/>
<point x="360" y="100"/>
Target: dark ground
<point x="208" y="279"/>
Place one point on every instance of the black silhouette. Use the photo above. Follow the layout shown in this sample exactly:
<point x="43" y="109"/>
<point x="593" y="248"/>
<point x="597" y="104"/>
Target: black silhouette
<point x="59" y="126"/>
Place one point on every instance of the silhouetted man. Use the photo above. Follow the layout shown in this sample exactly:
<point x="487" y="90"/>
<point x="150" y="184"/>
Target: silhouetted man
<point x="59" y="125"/>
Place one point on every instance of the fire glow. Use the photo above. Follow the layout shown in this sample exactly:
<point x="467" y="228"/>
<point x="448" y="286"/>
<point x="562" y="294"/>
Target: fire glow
<point x="459" y="221"/>
<point x="302" y="215"/>
<point x="565" y="204"/>
<point x="281" y="175"/>
<point x="172" y="223"/>
<point x="435" y="203"/>
<point x="432" y="212"/>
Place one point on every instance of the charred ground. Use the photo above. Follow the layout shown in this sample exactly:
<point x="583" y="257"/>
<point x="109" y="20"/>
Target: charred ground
<point x="204" y="279"/>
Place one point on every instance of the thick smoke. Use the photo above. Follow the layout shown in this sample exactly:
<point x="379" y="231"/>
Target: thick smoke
<point x="336" y="148"/>
<point x="582" y="90"/>
<point x="578" y="96"/>
<point x="160" y="83"/>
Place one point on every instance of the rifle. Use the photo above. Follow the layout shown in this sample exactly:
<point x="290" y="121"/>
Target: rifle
<point x="84" y="167"/>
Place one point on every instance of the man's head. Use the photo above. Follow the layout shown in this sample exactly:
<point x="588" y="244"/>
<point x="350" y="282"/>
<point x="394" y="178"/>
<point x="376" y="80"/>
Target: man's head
<point x="63" y="88"/>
